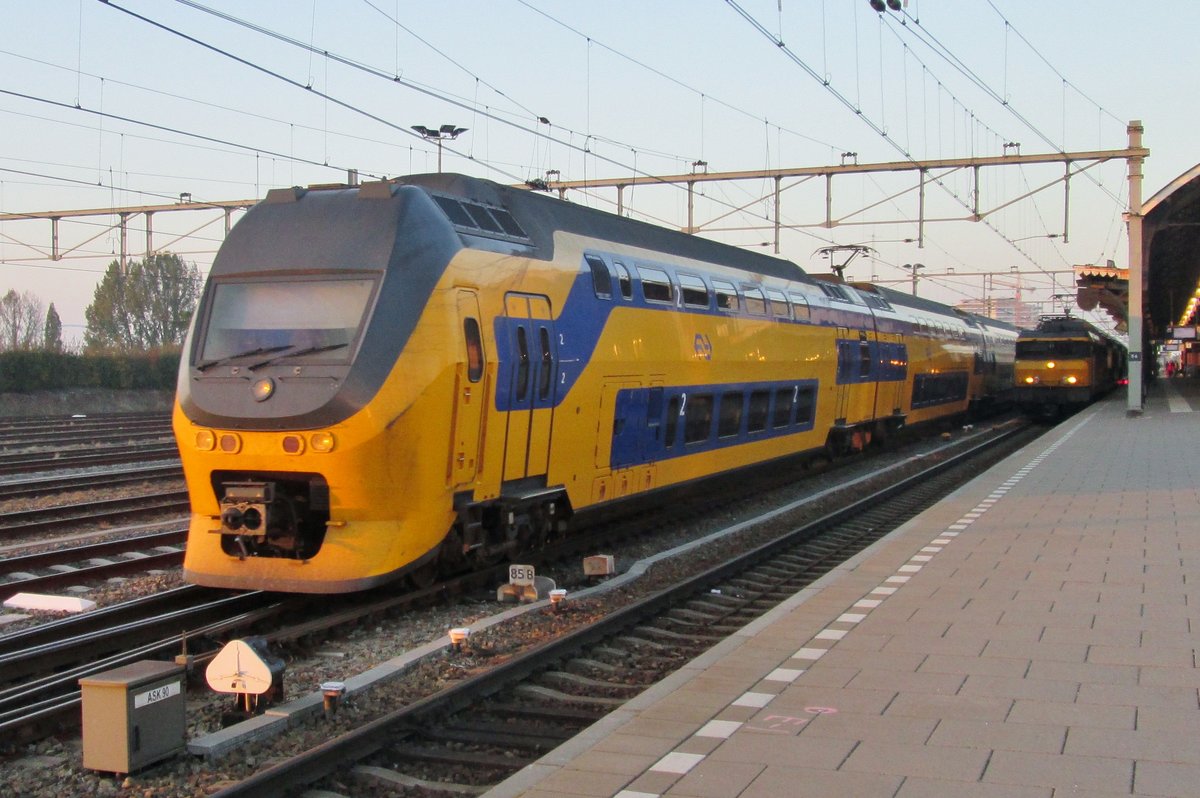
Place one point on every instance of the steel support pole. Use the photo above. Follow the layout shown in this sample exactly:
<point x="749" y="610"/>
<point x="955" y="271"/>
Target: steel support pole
<point x="778" y="213"/>
<point x="691" y="189"/>
<point x="1066" y="202"/>
<point x="1136" y="275"/>
<point x="921" y="218"/>
<point x="124" y="242"/>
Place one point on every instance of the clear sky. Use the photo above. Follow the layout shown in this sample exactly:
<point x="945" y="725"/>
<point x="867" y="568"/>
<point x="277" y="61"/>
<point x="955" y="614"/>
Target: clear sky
<point x="225" y="100"/>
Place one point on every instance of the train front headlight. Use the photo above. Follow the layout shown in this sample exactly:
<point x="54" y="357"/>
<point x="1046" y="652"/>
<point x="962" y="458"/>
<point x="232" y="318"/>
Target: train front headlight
<point x="205" y="440"/>
<point x="263" y="389"/>
<point x="293" y="444"/>
<point x="1071" y="380"/>
<point x="230" y="442"/>
<point x="321" y="441"/>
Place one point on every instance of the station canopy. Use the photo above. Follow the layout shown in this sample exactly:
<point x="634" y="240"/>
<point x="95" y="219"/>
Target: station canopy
<point x="1171" y="249"/>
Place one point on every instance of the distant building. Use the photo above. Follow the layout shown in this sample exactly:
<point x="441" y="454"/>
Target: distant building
<point x="1013" y="311"/>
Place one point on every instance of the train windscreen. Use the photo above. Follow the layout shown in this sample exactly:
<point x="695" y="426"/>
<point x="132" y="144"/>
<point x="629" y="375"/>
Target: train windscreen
<point x="1062" y="350"/>
<point x="317" y="319"/>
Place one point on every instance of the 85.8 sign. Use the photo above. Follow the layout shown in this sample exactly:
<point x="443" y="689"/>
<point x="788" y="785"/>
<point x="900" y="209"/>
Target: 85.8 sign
<point x="520" y="574"/>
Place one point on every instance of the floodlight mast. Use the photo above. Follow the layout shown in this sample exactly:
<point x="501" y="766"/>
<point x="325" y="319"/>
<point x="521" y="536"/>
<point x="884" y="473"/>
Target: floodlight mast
<point x="438" y="135"/>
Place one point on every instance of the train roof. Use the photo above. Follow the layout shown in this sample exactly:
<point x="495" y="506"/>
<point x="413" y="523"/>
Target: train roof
<point x="542" y="216"/>
<point x="901" y="299"/>
<point x="1069" y="327"/>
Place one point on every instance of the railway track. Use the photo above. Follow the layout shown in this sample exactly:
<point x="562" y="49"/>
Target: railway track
<point x="489" y="725"/>
<point x="129" y="508"/>
<point x="29" y="462"/>
<point x="69" y="438"/>
<point x="104" y="421"/>
<point x="89" y="563"/>
<point x="21" y="488"/>
<point x="40" y="667"/>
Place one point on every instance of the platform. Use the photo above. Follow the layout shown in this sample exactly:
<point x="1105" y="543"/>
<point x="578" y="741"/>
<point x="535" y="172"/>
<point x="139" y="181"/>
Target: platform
<point x="1033" y="635"/>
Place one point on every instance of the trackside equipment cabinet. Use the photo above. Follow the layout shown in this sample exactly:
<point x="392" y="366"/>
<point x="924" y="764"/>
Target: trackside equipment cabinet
<point x="133" y="716"/>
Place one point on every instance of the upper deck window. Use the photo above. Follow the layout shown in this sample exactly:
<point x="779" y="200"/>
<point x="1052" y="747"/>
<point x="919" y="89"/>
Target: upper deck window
<point x="800" y="307"/>
<point x="624" y="280"/>
<point x="727" y="296"/>
<point x="656" y="284"/>
<point x="601" y="277"/>
<point x="694" y="291"/>
<point x="756" y="303"/>
<point x="779" y="304"/>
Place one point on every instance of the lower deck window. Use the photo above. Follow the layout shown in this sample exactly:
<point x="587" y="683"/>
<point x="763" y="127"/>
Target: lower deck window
<point x="698" y="416"/>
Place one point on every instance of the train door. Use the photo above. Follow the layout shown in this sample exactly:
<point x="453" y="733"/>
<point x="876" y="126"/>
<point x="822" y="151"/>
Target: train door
<point x="531" y="385"/>
<point x="470" y="390"/>
<point x="844" y="378"/>
<point x="891" y="374"/>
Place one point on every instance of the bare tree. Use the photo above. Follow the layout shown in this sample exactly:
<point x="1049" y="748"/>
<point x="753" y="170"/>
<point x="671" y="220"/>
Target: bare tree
<point x="20" y="321"/>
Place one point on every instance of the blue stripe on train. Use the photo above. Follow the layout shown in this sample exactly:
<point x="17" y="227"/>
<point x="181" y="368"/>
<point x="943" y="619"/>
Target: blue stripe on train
<point x="655" y="424"/>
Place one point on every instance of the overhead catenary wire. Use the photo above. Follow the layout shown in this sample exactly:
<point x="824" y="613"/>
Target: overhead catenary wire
<point x="548" y="137"/>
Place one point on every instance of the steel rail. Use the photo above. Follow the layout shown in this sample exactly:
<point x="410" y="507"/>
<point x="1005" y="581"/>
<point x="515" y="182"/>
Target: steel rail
<point x="25" y="521"/>
<point x="14" y="489"/>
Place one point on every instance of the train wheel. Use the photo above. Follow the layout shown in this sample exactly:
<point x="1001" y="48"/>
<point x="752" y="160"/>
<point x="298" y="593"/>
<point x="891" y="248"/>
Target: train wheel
<point x="424" y="575"/>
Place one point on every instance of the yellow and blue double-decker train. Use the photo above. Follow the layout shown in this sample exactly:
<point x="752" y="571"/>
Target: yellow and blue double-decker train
<point x="409" y="375"/>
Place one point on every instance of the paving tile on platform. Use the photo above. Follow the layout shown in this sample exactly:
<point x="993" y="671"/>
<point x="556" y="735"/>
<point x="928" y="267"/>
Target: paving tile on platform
<point x="1020" y="687"/>
<point x="800" y="696"/>
<point x="1166" y="778"/>
<point x="1032" y="737"/>
<point x="572" y="781"/>
<point x="1070" y="714"/>
<point x="929" y="705"/>
<point x="787" y="750"/>
<point x="1078" y="775"/>
<point x="903" y="759"/>
<point x="1183" y="720"/>
<point x="918" y="787"/>
<point x="713" y="779"/>
<point x="953" y="663"/>
<point x="1141" y="745"/>
<point x="903" y="681"/>
<point x="865" y="726"/>
<point x="778" y="781"/>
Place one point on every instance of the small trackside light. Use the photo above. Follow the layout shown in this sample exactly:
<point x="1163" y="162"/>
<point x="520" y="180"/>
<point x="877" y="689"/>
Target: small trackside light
<point x="205" y="440"/>
<point x="556" y="598"/>
<point x="458" y="637"/>
<point x="332" y="693"/>
<point x="293" y="444"/>
<point x="321" y="441"/>
<point x="230" y="443"/>
<point x="263" y="389"/>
